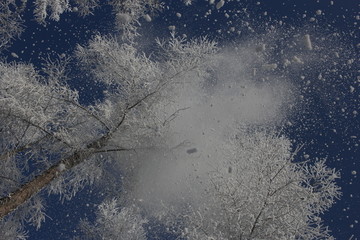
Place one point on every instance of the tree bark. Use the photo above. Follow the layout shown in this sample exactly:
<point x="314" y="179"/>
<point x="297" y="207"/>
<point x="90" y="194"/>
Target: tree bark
<point x="26" y="191"/>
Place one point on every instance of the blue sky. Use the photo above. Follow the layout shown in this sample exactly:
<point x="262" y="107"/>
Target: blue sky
<point x="327" y="123"/>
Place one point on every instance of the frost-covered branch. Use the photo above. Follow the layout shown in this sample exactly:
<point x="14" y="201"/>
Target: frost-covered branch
<point x="258" y="192"/>
<point x="46" y="106"/>
<point x="11" y="24"/>
<point x="115" y="222"/>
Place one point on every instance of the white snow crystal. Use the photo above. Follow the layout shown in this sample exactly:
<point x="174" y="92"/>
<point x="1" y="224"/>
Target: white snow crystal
<point x="270" y="66"/>
<point x="187" y="2"/>
<point x="352" y="89"/>
<point x="147" y="18"/>
<point x="178" y="15"/>
<point x="172" y="28"/>
<point x="14" y="55"/>
<point x="61" y="167"/>
<point x="297" y="60"/>
<point x="220" y="4"/>
<point x="287" y="62"/>
<point x="308" y="43"/>
<point x="320" y="76"/>
<point x="353" y="172"/>
<point x="350" y="61"/>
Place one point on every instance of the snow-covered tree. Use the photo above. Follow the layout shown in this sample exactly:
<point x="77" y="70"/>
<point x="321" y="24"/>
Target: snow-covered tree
<point x="258" y="192"/>
<point x="115" y="222"/>
<point x="52" y="143"/>
<point x="127" y="14"/>
<point x="54" y="8"/>
<point x="43" y="122"/>
<point x="10" y="21"/>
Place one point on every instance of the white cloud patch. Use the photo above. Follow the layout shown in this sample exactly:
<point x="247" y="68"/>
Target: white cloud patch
<point x="211" y="110"/>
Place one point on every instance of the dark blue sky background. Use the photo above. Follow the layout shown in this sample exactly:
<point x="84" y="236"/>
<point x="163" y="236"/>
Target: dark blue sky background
<point x="329" y="127"/>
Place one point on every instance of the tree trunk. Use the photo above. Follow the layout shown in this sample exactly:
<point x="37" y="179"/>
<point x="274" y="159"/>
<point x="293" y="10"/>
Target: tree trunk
<point x="26" y="191"/>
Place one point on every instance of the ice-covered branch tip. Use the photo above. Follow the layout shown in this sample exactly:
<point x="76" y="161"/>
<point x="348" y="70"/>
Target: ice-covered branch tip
<point x="111" y="221"/>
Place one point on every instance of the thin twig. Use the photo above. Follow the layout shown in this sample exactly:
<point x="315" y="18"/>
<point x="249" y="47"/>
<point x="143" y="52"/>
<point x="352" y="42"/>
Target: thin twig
<point x="114" y="150"/>
<point x="86" y="110"/>
<point x="10" y="179"/>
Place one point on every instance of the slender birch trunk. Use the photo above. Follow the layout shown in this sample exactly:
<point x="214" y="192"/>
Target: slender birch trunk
<point x="28" y="190"/>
